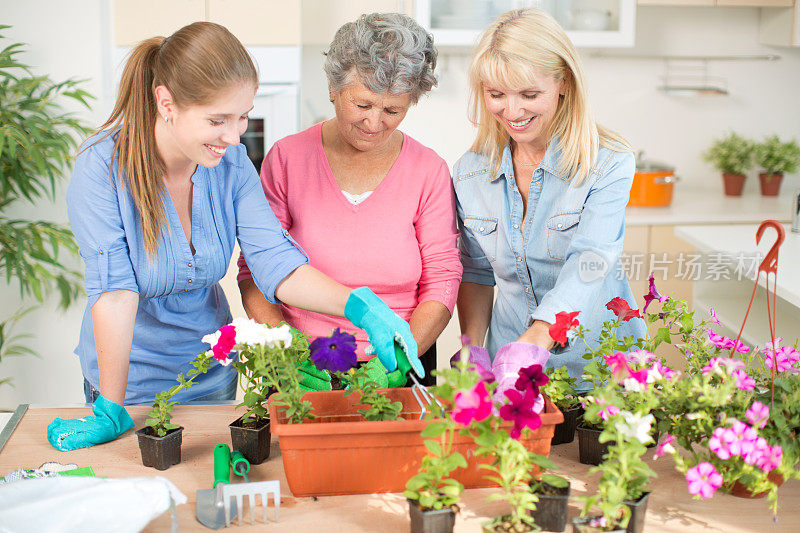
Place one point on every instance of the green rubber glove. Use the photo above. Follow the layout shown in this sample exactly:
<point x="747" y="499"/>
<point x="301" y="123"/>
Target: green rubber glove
<point x="312" y="378"/>
<point x="391" y="380"/>
<point x="110" y="420"/>
<point x="384" y="328"/>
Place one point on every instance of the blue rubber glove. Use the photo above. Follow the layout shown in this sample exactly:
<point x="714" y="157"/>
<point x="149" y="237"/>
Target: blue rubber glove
<point x="384" y="327"/>
<point x="110" y="420"/>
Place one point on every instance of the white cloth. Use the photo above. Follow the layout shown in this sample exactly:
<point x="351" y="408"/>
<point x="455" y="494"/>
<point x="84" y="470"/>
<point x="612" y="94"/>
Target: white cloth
<point x="80" y="504"/>
<point x="356" y="199"/>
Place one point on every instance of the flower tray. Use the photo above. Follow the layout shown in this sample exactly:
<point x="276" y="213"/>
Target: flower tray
<point x="341" y="453"/>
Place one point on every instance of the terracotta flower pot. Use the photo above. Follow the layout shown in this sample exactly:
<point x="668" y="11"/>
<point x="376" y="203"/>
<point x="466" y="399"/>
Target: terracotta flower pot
<point x="565" y="431"/>
<point x="337" y="452"/>
<point x="770" y="183"/>
<point x="733" y="183"/>
<point x="253" y="440"/>
<point x="740" y="491"/>
<point x="551" y="509"/>
<point x="160" y="452"/>
<point x="581" y="525"/>
<point x="430" y="521"/>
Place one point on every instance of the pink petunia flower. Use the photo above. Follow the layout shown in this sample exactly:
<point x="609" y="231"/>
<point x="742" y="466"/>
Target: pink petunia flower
<point x="786" y="357"/>
<point x="660" y="371"/>
<point x="756" y="453"/>
<point x="618" y="364"/>
<point x="714" y="318"/>
<point x="726" y="343"/>
<point x="743" y="380"/>
<point x="520" y="411"/>
<point x="652" y="294"/>
<point x="719" y="443"/>
<point x="665" y="446"/>
<point x="770" y="458"/>
<point x="758" y="414"/>
<point x="224" y="344"/>
<point x="742" y="438"/>
<point x="640" y="357"/>
<point x="721" y="364"/>
<point x="703" y="480"/>
<point x="607" y="412"/>
<point x="475" y="404"/>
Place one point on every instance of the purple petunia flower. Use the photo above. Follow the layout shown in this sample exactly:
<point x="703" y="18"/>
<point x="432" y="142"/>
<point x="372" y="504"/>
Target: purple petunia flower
<point x="335" y="353"/>
<point x="653" y="294"/>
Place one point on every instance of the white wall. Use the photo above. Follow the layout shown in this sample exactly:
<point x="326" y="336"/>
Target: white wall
<point x="65" y="39"/>
<point x="624" y="94"/>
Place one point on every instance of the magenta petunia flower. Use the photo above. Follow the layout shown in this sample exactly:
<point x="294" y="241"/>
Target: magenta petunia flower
<point x="758" y="414"/>
<point x="653" y="294"/>
<point x="758" y="453"/>
<point x="714" y="318"/>
<point x="607" y="412"/>
<point x="225" y="343"/>
<point x="770" y="458"/>
<point x="520" y="411"/>
<point x="721" y="364"/>
<point x="703" y="480"/>
<point x="743" y="380"/>
<point x="335" y="353"/>
<point x="741" y="438"/>
<point x="786" y="357"/>
<point x="618" y="364"/>
<point x="664" y="446"/>
<point x="531" y="377"/>
<point x="719" y="443"/>
<point x="660" y="371"/>
<point x="726" y="343"/>
<point x="475" y="404"/>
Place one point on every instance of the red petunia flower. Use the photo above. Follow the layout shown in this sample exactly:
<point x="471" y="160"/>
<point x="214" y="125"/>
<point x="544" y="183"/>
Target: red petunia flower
<point x="564" y="323"/>
<point x="619" y="306"/>
<point x="531" y="377"/>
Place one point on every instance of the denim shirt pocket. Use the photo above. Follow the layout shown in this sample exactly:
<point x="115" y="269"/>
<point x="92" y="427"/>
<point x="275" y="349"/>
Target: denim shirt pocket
<point x="560" y="229"/>
<point x="485" y="231"/>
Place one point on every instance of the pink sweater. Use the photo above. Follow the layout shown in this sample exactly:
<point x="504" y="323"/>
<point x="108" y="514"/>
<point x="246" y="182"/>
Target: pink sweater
<point x="400" y="242"/>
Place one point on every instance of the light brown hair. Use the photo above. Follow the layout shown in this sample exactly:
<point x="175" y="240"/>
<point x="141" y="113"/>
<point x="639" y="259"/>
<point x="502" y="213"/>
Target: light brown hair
<point x="509" y="51"/>
<point x="195" y="64"/>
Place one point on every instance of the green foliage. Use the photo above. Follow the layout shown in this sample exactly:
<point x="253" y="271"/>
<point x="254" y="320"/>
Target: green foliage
<point x="37" y="141"/>
<point x="732" y="154"/>
<point x="379" y="406"/>
<point x="265" y="369"/>
<point x="561" y="388"/>
<point x="160" y="415"/>
<point x="777" y="157"/>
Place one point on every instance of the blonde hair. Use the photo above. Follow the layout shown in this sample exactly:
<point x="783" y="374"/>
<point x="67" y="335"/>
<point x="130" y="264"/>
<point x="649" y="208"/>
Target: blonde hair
<point x="510" y="50"/>
<point x="195" y="64"/>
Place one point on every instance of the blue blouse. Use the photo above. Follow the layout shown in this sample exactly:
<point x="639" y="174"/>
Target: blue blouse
<point x="180" y="299"/>
<point x="564" y="258"/>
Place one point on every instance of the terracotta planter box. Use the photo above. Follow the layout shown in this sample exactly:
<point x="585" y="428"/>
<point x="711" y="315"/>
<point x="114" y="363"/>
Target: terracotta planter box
<point x="341" y="453"/>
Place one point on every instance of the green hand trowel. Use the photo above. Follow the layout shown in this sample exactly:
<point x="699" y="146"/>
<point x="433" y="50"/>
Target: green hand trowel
<point x="210" y="510"/>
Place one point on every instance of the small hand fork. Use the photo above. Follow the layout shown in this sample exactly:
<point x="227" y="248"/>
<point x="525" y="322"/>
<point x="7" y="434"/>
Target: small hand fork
<point x="264" y="488"/>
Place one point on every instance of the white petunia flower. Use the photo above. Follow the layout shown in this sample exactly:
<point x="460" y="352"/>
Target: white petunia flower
<point x="276" y="336"/>
<point x="632" y="385"/>
<point x="211" y="338"/>
<point x="636" y="426"/>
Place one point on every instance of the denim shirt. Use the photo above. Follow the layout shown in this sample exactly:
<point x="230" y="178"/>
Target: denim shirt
<point x="565" y="258"/>
<point x="180" y="299"/>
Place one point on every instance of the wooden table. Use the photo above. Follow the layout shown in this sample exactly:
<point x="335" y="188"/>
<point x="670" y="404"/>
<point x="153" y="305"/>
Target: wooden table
<point x="670" y="507"/>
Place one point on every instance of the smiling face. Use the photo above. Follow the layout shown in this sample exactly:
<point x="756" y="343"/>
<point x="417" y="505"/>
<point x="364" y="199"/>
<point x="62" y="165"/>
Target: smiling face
<point x="525" y="113"/>
<point x="201" y="134"/>
<point x="366" y="120"/>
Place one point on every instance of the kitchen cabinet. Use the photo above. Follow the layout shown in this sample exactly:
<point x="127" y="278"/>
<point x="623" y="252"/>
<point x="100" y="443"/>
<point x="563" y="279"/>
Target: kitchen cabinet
<point x="780" y="26"/>
<point x="459" y="23"/>
<point x="254" y="22"/>
<point x="718" y="3"/>
<point x="321" y="18"/>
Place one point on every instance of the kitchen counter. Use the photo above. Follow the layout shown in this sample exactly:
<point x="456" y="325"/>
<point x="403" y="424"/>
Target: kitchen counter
<point x="671" y="509"/>
<point x="730" y="297"/>
<point x="698" y="206"/>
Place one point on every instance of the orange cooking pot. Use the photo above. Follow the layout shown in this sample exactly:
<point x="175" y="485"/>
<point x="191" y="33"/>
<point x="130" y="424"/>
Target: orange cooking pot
<point x="652" y="185"/>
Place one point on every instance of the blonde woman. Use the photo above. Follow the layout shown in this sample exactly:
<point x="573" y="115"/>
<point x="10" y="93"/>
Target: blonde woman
<point x="156" y="201"/>
<point x="541" y="198"/>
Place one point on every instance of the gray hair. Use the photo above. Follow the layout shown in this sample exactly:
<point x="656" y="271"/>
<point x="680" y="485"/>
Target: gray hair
<point x="389" y="52"/>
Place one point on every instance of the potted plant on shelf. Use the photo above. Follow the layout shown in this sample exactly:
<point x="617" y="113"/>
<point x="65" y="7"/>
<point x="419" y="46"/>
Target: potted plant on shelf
<point x="776" y="158"/>
<point x="36" y="151"/>
<point x="160" y="440"/>
<point x="552" y="492"/>
<point x="561" y="391"/>
<point x="733" y="156"/>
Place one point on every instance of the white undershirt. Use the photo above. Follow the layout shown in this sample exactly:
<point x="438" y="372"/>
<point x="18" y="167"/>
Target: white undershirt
<point x="356" y="199"/>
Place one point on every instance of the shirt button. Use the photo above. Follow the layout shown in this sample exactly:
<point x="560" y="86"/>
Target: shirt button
<point x="190" y="264"/>
<point x="101" y="252"/>
<point x="481" y="228"/>
<point x="560" y="225"/>
<point x="516" y="226"/>
<point x="519" y="258"/>
<point x="527" y="289"/>
<point x="190" y="281"/>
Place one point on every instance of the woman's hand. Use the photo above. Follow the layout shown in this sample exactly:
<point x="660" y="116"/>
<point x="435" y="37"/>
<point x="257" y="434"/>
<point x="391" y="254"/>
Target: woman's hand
<point x="539" y="335"/>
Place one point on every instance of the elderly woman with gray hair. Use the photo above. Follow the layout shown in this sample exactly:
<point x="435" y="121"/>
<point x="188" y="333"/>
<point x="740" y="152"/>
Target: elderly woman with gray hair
<point x="370" y="205"/>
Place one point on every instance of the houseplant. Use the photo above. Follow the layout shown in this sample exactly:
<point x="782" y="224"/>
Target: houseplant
<point x="552" y="492"/>
<point x="776" y="158"/>
<point x="733" y="156"/>
<point x="160" y="440"/>
<point x="37" y="140"/>
<point x="561" y="391"/>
